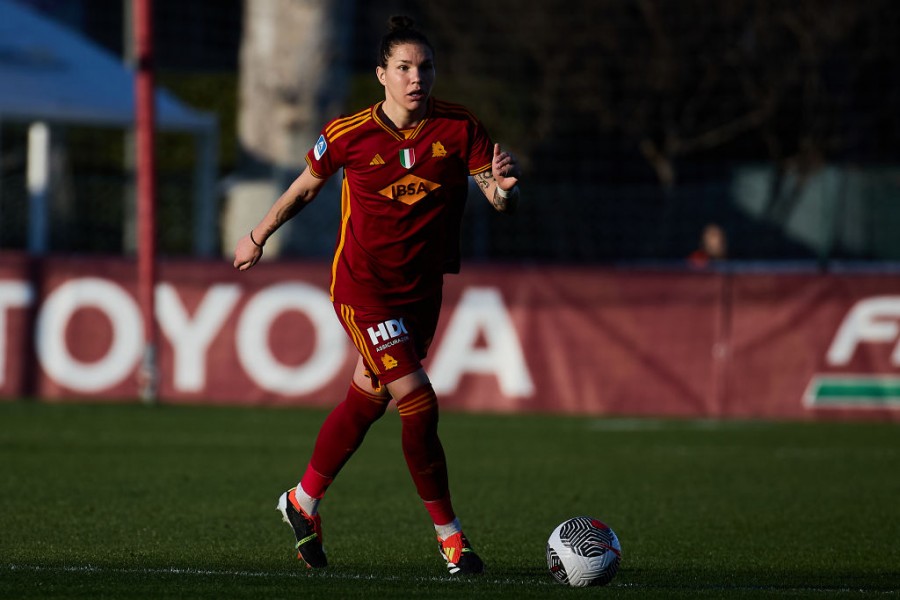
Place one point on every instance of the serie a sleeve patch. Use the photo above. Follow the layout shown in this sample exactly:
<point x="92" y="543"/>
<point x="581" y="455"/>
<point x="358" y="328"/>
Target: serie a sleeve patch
<point x="320" y="147"/>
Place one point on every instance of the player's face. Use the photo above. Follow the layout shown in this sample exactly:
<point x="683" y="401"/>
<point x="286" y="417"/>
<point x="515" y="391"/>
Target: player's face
<point x="408" y="77"/>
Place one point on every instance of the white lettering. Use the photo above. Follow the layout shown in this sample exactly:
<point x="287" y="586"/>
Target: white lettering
<point x="191" y="337"/>
<point x="387" y="330"/>
<point x="481" y="311"/>
<point x="872" y="320"/>
<point x="375" y="335"/>
<point x="395" y="327"/>
<point x="479" y="316"/>
<point x="127" y="334"/>
<point x="13" y="294"/>
<point x="252" y="343"/>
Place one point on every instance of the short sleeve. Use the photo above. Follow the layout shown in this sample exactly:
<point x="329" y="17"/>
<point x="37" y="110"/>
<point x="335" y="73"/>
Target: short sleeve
<point x="481" y="149"/>
<point x="324" y="158"/>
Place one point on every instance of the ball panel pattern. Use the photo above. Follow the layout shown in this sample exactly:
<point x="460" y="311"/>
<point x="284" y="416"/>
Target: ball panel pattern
<point x="583" y="551"/>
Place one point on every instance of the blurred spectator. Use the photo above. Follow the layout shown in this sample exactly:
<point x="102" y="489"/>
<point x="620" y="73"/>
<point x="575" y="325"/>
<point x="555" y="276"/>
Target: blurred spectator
<point x="713" y="247"/>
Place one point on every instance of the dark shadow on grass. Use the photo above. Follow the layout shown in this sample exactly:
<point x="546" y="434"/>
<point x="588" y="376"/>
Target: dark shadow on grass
<point x="786" y="580"/>
<point x="48" y="581"/>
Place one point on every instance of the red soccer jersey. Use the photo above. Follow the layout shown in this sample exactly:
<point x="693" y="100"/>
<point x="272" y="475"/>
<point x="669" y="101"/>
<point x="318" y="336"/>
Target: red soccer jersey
<point x="402" y="199"/>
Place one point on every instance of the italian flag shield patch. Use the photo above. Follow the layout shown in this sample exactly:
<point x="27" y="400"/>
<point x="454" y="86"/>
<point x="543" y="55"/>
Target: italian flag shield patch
<point x="408" y="157"/>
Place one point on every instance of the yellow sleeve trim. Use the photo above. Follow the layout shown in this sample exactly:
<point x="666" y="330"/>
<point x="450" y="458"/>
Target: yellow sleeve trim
<point x="312" y="171"/>
<point x="480" y="169"/>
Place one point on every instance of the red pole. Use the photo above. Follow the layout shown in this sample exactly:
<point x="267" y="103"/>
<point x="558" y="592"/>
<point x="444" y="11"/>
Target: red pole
<point x="146" y="191"/>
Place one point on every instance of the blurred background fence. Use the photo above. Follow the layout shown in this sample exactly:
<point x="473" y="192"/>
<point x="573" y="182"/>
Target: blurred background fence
<point x="639" y="122"/>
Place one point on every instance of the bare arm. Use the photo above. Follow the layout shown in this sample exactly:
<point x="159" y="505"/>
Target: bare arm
<point x="301" y="192"/>
<point x="490" y="189"/>
<point x="500" y="184"/>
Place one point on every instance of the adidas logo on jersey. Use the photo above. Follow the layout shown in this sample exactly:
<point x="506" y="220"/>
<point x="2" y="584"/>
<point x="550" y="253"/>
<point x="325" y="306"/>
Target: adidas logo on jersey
<point x="377" y="160"/>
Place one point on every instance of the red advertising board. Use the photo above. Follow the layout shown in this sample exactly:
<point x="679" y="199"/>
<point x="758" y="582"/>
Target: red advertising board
<point x="573" y="340"/>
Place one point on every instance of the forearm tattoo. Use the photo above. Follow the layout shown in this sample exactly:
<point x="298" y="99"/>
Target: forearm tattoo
<point x="484" y="180"/>
<point x="287" y="212"/>
<point x="506" y="205"/>
<point x="501" y="204"/>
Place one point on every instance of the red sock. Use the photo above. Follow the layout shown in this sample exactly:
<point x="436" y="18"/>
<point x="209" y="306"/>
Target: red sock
<point x="441" y="511"/>
<point x="339" y="437"/>
<point x="423" y="451"/>
<point x="314" y="483"/>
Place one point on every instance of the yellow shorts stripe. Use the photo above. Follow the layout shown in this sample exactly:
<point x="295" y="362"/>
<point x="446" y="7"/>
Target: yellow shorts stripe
<point x="347" y="315"/>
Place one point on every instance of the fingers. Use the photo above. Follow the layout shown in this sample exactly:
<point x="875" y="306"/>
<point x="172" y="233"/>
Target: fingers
<point x="243" y="265"/>
<point x="502" y="157"/>
<point x="504" y="167"/>
<point x="246" y="254"/>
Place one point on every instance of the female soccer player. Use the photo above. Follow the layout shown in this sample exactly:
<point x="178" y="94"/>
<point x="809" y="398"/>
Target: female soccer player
<point x="406" y="162"/>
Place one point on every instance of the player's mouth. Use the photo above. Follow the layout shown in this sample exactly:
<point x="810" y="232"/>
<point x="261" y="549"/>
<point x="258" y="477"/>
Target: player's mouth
<point x="417" y="95"/>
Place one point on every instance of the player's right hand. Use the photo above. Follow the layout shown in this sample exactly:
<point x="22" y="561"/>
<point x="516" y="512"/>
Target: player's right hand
<point x="246" y="253"/>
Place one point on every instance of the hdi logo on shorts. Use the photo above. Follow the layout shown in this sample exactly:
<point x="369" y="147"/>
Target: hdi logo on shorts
<point x="387" y="330"/>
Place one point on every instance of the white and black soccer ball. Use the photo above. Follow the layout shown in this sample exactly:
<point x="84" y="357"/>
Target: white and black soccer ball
<point x="583" y="551"/>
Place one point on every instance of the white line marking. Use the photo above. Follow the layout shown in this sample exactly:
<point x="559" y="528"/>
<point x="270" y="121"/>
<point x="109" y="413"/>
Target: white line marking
<point x="531" y="581"/>
<point x="273" y="574"/>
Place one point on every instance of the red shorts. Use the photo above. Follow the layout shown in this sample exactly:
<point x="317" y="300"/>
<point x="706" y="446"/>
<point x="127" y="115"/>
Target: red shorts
<point x="393" y="340"/>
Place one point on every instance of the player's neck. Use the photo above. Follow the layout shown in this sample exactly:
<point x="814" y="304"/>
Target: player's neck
<point x="401" y="118"/>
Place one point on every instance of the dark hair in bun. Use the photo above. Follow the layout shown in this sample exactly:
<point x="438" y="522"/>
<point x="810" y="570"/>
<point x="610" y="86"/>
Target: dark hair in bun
<point x="402" y="30"/>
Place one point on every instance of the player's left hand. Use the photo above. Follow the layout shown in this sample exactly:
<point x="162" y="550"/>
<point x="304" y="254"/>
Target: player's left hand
<point x="505" y="169"/>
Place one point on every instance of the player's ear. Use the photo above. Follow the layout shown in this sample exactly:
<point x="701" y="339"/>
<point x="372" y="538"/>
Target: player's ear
<point x="379" y="73"/>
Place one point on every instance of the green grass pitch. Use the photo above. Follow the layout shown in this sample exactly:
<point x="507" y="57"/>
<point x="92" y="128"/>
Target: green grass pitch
<point x="129" y="501"/>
